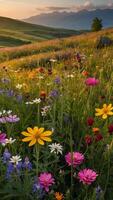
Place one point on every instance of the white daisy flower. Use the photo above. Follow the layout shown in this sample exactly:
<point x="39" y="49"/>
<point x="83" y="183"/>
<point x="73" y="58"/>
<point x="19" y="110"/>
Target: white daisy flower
<point x="56" y="148"/>
<point x="15" y="159"/>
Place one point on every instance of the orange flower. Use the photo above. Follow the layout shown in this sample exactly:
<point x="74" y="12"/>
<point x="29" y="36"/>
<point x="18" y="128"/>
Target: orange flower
<point x="85" y="73"/>
<point x="43" y="94"/>
<point x="96" y="130"/>
<point x="59" y="196"/>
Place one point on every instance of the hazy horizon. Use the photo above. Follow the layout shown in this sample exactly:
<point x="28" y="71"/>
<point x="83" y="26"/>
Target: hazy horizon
<point x="20" y="9"/>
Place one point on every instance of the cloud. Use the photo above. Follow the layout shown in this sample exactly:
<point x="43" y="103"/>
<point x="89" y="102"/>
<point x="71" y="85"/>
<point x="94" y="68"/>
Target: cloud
<point x="88" y="5"/>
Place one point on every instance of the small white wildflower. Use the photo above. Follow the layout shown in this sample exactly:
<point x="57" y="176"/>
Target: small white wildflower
<point x="10" y="141"/>
<point x="9" y="112"/>
<point x="41" y="77"/>
<point x="37" y="101"/>
<point x="15" y="160"/>
<point x="56" y="148"/>
<point x="70" y="76"/>
<point x="19" y="86"/>
<point x="53" y="60"/>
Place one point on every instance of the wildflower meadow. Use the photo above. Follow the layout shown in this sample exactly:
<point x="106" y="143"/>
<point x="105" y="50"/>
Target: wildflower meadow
<point x="56" y="121"/>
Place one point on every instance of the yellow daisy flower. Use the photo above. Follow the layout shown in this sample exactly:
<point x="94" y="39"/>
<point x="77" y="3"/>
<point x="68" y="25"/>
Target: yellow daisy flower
<point x="105" y="111"/>
<point x="36" y="135"/>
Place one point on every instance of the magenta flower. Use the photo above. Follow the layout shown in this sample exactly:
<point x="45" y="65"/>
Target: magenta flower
<point x="91" y="81"/>
<point x="12" y="118"/>
<point x="46" y="180"/>
<point x="2" y="137"/>
<point x="78" y="159"/>
<point x="87" y="176"/>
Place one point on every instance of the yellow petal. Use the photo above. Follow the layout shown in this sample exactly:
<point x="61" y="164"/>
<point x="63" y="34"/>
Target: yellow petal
<point x="104" y="116"/>
<point x="35" y="129"/>
<point x="32" y="142"/>
<point x="46" y="139"/>
<point x="109" y="106"/>
<point x="30" y="130"/>
<point x="105" y="106"/>
<point x="98" y="114"/>
<point x="26" y="133"/>
<point x="98" y="109"/>
<point x="40" y="141"/>
<point x="27" y="139"/>
<point x="110" y="113"/>
<point x="41" y="130"/>
<point x="47" y="133"/>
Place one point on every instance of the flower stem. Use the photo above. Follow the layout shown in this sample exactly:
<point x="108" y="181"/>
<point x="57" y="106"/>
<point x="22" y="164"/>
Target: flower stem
<point x="37" y="158"/>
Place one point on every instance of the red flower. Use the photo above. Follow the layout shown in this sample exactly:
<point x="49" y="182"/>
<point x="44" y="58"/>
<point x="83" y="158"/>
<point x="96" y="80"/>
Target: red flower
<point x="90" y="121"/>
<point x="88" y="139"/>
<point x="41" y="70"/>
<point x="98" y="137"/>
<point x="110" y="129"/>
<point x="49" y="71"/>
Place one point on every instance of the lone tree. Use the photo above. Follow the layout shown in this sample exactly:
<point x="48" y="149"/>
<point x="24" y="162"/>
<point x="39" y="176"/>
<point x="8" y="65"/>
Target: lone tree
<point x="96" y="24"/>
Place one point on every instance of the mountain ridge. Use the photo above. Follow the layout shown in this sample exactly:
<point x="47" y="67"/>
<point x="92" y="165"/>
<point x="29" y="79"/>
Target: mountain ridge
<point x="73" y="20"/>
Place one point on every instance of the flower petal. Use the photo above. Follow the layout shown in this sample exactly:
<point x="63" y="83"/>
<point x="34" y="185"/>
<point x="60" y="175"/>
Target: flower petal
<point x="104" y="116"/>
<point x="40" y="141"/>
<point x="30" y="130"/>
<point x="47" y="133"/>
<point x="26" y="133"/>
<point x="27" y="139"/>
<point x="41" y="130"/>
<point x="46" y="139"/>
<point x="32" y="142"/>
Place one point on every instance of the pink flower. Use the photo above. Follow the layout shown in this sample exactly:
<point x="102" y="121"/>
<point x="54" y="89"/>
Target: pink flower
<point x="2" y="137"/>
<point x="87" y="176"/>
<point x="78" y="159"/>
<point x="91" y="81"/>
<point x="46" y="180"/>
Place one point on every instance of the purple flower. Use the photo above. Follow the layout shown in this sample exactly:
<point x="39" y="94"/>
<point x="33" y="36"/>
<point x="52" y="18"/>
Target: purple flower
<point x="54" y="93"/>
<point x="12" y="118"/>
<point x="38" y="189"/>
<point x="5" y="80"/>
<point x="27" y="164"/>
<point x="10" y="93"/>
<point x="57" y="80"/>
<point x="12" y="168"/>
<point x="2" y="137"/>
<point x="3" y="120"/>
<point x="6" y="156"/>
<point x="2" y="91"/>
<point x="19" y="98"/>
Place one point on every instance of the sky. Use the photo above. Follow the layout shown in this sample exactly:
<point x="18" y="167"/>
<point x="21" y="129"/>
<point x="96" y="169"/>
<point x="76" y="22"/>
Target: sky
<point x="20" y="9"/>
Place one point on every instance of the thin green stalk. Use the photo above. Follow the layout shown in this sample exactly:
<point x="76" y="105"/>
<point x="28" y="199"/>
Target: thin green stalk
<point x="37" y="158"/>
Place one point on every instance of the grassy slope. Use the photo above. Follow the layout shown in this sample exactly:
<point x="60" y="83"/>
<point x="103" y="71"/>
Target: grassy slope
<point x="30" y="54"/>
<point x="14" y="32"/>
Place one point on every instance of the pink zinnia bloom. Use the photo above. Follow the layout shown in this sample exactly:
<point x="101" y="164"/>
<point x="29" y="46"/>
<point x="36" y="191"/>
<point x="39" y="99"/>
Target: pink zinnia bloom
<point x="2" y="137"/>
<point x="87" y="176"/>
<point x="46" y="180"/>
<point x="78" y="158"/>
<point x="91" y="81"/>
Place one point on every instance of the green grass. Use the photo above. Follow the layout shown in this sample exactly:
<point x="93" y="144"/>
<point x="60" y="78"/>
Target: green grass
<point x="15" y="32"/>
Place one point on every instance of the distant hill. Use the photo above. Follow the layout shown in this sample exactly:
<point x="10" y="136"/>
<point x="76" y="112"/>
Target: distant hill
<point x="71" y="20"/>
<point x="14" y="32"/>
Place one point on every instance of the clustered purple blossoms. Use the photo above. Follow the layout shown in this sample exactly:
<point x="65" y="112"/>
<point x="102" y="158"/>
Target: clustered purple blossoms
<point x="13" y="167"/>
<point x="8" y="117"/>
